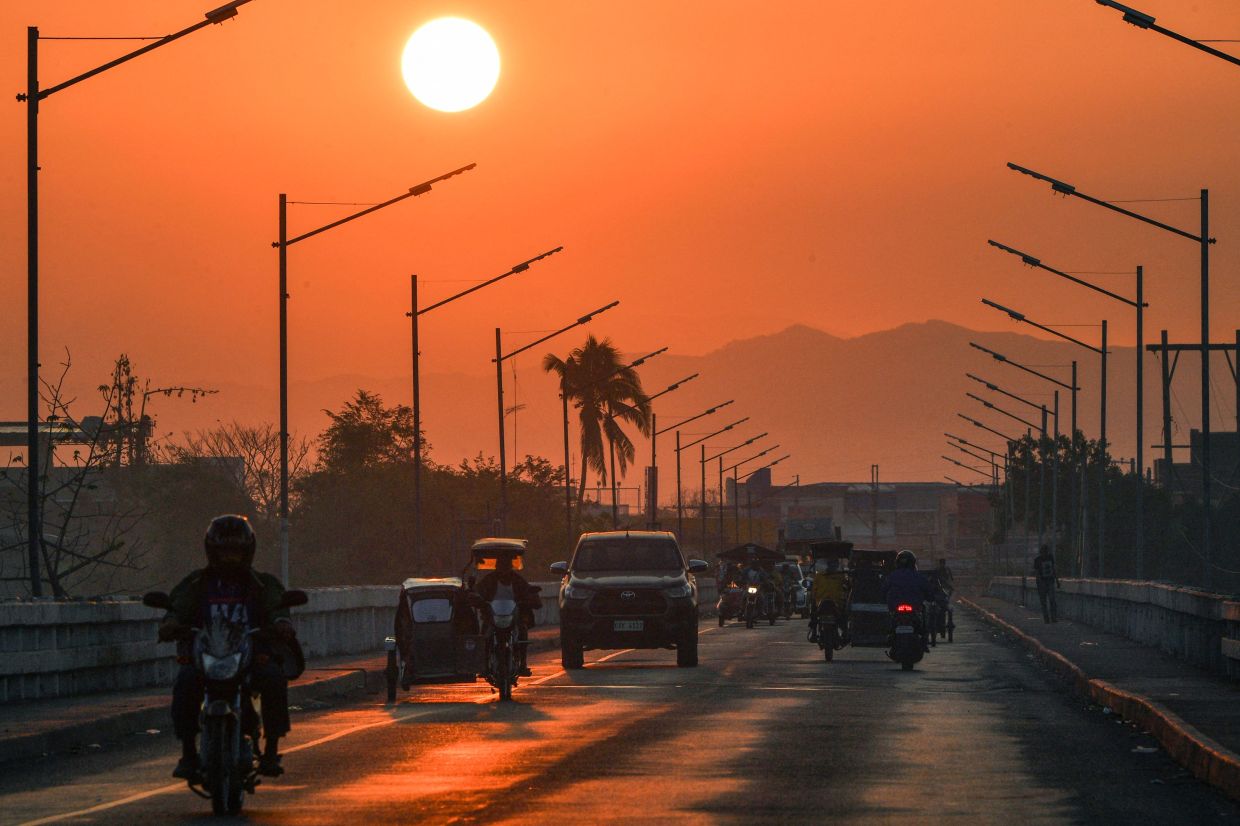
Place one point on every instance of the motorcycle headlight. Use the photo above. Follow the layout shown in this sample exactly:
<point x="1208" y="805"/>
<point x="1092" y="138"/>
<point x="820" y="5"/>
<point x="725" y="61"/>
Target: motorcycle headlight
<point x="680" y="589"/>
<point x="502" y="620"/>
<point x="577" y="592"/>
<point x="753" y="589"/>
<point x="221" y="668"/>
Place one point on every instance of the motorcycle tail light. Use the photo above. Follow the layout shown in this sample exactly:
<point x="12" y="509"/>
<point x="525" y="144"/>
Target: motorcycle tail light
<point x="183" y="660"/>
<point x="262" y="659"/>
<point x="904" y="609"/>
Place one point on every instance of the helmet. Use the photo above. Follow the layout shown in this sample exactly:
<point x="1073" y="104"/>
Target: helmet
<point x="230" y="542"/>
<point x="906" y="559"/>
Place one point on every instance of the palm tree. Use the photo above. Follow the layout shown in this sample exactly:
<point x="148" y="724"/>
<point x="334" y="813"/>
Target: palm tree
<point x="607" y="395"/>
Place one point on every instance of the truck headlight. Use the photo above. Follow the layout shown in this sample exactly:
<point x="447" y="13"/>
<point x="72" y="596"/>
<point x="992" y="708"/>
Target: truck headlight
<point x="577" y="592"/>
<point x="679" y="590"/>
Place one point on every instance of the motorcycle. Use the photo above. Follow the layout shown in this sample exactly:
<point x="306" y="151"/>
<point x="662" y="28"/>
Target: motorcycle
<point x="751" y="604"/>
<point x="907" y="637"/>
<point x="230" y="716"/>
<point x="941" y="620"/>
<point x="831" y="637"/>
<point x="502" y="645"/>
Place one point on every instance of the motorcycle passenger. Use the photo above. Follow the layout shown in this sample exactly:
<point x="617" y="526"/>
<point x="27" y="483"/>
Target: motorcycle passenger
<point x="907" y="586"/>
<point x="830" y="583"/>
<point x="505" y="583"/>
<point x="1048" y="581"/>
<point x="230" y="587"/>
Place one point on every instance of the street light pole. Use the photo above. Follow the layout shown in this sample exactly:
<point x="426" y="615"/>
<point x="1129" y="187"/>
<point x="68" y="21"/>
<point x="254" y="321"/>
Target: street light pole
<point x="720" y="456"/>
<point x="1139" y="306"/>
<point x="1203" y="240"/>
<point x="413" y="315"/>
<point x="282" y="245"/>
<point x="701" y="441"/>
<point x="32" y="98"/>
<point x="500" y="357"/>
<point x="1146" y="21"/>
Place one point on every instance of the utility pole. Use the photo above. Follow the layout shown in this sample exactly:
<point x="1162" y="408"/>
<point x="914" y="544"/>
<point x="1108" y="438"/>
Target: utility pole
<point x="874" y="507"/>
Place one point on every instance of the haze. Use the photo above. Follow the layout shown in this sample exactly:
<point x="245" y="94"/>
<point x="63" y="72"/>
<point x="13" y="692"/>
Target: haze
<point x="724" y="169"/>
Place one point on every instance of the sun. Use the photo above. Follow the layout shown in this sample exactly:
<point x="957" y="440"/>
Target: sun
<point x="450" y="64"/>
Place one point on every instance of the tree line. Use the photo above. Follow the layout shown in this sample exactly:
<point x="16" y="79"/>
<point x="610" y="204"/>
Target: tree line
<point x="126" y="510"/>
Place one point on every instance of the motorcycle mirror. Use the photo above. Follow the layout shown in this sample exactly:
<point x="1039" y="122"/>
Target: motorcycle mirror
<point x="157" y="599"/>
<point x="291" y="599"/>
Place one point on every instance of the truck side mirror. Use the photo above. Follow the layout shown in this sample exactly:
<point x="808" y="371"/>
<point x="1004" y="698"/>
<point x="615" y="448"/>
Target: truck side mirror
<point x="560" y="568"/>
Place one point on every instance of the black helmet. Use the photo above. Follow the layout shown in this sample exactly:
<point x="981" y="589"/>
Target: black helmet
<point x="906" y="559"/>
<point x="230" y="542"/>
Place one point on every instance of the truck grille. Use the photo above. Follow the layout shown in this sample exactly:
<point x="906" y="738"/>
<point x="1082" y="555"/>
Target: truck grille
<point x="627" y="602"/>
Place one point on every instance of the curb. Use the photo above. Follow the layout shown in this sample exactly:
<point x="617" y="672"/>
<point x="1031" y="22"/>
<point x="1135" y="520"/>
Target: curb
<point x="1205" y="758"/>
<point x="117" y="726"/>
<point x="347" y="683"/>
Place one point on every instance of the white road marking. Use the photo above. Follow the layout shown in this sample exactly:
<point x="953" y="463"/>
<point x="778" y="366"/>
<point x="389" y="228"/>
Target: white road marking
<point x="171" y="787"/>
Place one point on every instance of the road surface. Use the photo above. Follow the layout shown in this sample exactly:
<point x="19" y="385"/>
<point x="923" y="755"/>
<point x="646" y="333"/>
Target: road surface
<point x="762" y="731"/>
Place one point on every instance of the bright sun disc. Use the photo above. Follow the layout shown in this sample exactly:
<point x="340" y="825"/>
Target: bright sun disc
<point x="450" y="64"/>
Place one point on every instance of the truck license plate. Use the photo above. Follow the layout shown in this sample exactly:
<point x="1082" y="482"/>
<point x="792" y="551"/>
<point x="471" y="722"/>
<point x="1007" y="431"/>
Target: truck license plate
<point x="629" y="625"/>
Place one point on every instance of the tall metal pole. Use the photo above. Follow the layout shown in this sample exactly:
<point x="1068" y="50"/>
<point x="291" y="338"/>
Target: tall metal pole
<point x="417" y="427"/>
<point x="1074" y="520"/>
<point x="1102" y="468"/>
<point x="680" y="511"/>
<point x="1166" y="407"/>
<point x="736" y="504"/>
<point x="568" y="492"/>
<point x="652" y="489"/>
<point x="1041" y="483"/>
<point x="503" y="467"/>
<point x="722" y="499"/>
<point x="283" y="255"/>
<point x="1055" y="482"/>
<point x="1205" y="386"/>
<point x="1028" y="485"/>
<point x="703" y="508"/>
<point x="1074" y="389"/>
<point x="615" y="505"/>
<point x="1140" y="422"/>
<point x="34" y="511"/>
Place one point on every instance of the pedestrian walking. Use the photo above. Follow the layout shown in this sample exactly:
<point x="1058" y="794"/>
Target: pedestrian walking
<point x="1048" y="581"/>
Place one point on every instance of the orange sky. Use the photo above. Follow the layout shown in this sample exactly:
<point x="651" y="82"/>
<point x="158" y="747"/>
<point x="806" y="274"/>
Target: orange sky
<point x="725" y="169"/>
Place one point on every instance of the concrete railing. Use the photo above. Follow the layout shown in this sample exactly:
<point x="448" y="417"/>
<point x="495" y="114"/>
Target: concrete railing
<point x="64" y="649"/>
<point x="1192" y="625"/>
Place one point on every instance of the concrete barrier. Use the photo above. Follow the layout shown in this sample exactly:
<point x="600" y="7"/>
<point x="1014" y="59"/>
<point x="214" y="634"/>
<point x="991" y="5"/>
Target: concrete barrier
<point x="65" y="649"/>
<point x="1195" y="626"/>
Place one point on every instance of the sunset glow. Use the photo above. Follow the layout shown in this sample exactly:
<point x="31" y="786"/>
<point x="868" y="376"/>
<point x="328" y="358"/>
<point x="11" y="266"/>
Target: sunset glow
<point x="450" y="64"/>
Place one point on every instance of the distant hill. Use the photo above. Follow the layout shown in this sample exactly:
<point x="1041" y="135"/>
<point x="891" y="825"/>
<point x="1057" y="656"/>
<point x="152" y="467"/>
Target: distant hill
<point x="838" y="405"/>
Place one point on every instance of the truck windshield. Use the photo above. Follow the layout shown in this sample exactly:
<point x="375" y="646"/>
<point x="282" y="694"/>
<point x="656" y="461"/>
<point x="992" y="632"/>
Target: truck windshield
<point x="629" y="554"/>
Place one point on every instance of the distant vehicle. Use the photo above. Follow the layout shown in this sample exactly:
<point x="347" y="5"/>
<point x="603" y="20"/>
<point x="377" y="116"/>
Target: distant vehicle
<point x="869" y="621"/>
<point x="628" y="589"/>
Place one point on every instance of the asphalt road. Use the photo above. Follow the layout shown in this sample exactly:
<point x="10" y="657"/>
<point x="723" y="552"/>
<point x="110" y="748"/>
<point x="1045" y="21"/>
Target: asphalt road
<point x="762" y="731"/>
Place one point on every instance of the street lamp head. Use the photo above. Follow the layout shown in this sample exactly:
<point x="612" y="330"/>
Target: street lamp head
<point x="224" y="12"/>
<point x="1057" y="185"/>
<point x="1137" y="18"/>
<point x="1027" y="259"/>
<point x="1015" y="316"/>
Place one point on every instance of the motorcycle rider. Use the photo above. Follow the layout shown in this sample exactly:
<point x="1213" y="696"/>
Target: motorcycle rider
<point x="230" y="587"/>
<point x="755" y="574"/>
<point x="505" y="583"/>
<point x="1048" y="581"/>
<point x="907" y="586"/>
<point x="830" y="582"/>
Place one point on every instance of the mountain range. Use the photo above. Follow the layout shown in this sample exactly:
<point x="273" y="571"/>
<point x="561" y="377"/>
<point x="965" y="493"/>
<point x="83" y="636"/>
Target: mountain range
<point x="837" y="405"/>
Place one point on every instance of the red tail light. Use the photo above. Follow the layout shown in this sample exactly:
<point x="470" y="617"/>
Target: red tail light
<point x="904" y="609"/>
